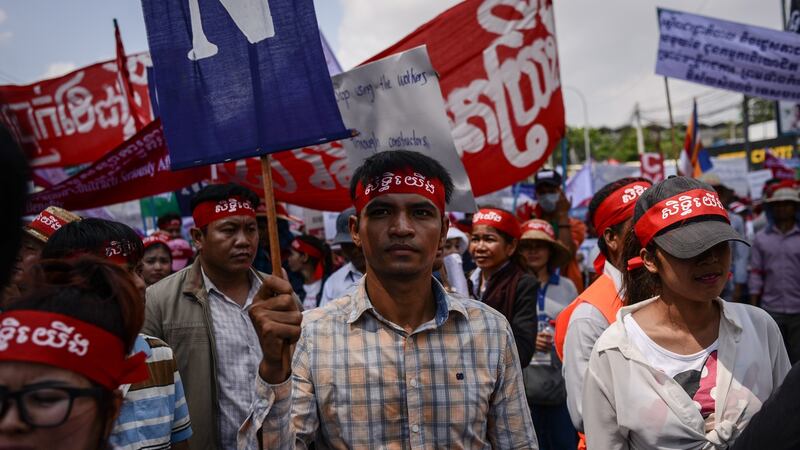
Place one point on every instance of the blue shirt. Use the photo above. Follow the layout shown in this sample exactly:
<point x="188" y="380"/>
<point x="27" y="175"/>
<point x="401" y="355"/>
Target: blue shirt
<point x="154" y="414"/>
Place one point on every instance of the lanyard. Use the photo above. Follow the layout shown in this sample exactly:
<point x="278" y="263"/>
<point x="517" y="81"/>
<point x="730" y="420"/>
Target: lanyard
<point x="542" y="293"/>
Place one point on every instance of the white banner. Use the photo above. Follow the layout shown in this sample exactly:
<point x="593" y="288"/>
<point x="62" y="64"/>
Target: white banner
<point x="752" y="60"/>
<point x="395" y="103"/>
<point x="756" y="180"/>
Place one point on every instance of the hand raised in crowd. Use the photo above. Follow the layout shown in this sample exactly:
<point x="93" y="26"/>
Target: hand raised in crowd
<point x="544" y="342"/>
<point x="276" y="318"/>
<point x="563" y="205"/>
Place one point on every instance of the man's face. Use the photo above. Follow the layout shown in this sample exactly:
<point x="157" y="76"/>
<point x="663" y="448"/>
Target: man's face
<point x="783" y="210"/>
<point x="545" y="188"/>
<point x="228" y="244"/>
<point x="399" y="234"/>
<point x="173" y="228"/>
<point x="29" y="254"/>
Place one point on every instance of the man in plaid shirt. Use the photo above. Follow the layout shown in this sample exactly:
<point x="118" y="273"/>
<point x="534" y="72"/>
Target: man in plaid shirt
<point x="398" y="362"/>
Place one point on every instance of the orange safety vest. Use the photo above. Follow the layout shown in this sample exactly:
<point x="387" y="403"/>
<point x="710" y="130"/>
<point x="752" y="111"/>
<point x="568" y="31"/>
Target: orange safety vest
<point x="603" y="295"/>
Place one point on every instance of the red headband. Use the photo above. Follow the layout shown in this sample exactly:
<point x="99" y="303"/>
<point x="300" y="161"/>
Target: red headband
<point x="402" y="181"/>
<point x="118" y="252"/>
<point x="498" y="219"/>
<point x="301" y="246"/>
<point x="174" y="223"/>
<point x="154" y="239"/>
<point x="214" y="210"/>
<point x="618" y="207"/>
<point x="538" y="225"/>
<point x="65" y="342"/>
<point x="676" y="209"/>
<point x="46" y="223"/>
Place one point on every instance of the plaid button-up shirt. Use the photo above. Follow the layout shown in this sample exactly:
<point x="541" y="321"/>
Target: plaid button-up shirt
<point x="360" y="381"/>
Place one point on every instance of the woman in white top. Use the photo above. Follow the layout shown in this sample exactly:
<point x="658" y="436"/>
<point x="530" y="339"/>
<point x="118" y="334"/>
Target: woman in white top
<point x="544" y="384"/>
<point x="311" y="258"/>
<point x="680" y="368"/>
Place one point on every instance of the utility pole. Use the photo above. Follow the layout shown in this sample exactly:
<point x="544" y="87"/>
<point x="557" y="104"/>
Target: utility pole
<point x="639" y="135"/>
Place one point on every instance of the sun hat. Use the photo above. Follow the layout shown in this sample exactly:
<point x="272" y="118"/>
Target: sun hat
<point x="784" y="194"/>
<point x="683" y="216"/>
<point x="455" y="233"/>
<point x="541" y="230"/>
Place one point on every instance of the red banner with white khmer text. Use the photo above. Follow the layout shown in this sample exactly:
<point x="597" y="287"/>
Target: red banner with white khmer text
<point x="499" y="74"/>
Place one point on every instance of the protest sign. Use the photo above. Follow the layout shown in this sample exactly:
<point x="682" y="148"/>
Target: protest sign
<point x="75" y="118"/>
<point x="652" y="166"/>
<point x="756" y="180"/>
<point x="239" y="79"/>
<point x="137" y="168"/>
<point x="733" y="173"/>
<point x="752" y="60"/>
<point x="498" y="70"/>
<point x="394" y="104"/>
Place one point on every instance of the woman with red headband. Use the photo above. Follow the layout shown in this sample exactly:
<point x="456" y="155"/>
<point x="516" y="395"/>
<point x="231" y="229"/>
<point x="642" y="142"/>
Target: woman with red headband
<point x="680" y="367"/>
<point x="311" y="258"/>
<point x="64" y="350"/>
<point x="156" y="262"/>
<point x="501" y="279"/>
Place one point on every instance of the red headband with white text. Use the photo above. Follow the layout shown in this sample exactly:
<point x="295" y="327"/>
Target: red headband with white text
<point x="676" y="209"/>
<point x="402" y="181"/>
<point x="47" y="223"/>
<point x="616" y="208"/>
<point x="499" y="220"/>
<point x="214" y="210"/>
<point x="68" y="343"/>
<point x="301" y="246"/>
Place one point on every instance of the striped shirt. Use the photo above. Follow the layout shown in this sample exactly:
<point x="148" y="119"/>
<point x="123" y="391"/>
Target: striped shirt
<point x="360" y="381"/>
<point x="154" y="414"/>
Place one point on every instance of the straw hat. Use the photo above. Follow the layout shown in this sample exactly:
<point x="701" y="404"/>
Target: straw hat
<point x="784" y="194"/>
<point x="540" y="230"/>
<point x="48" y="222"/>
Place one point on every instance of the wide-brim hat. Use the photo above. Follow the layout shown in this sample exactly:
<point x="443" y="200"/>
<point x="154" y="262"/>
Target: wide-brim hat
<point x="694" y="236"/>
<point x="343" y="227"/>
<point x="48" y="222"/>
<point x="540" y="230"/>
<point x="463" y="241"/>
<point x="784" y="195"/>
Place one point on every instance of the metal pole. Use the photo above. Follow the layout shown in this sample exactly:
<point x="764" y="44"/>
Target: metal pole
<point x="746" y="130"/>
<point x="564" y="162"/>
<point x="672" y="126"/>
<point x="587" y="148"/>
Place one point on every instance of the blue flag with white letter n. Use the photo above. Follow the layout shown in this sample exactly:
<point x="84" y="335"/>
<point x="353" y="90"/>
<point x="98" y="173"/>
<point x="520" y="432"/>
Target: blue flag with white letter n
<point x="239" y="78"/>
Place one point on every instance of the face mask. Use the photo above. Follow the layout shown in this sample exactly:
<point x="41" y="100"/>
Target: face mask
<point x="548" y="201"/>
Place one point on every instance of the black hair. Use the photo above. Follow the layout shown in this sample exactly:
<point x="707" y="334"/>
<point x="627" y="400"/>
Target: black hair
<point x="382" y="162"/>
<point x="14" y="186"/>
<point x="92" y="235"/>
<point x="157" y="245"/>
<point x="217" y="192"/>
<point x="89" y="289"/>
<point x="167" y="218"/>
<point x="327" y="257"/>
<point x="639" y="284"/>
<point x="598" y="198"/>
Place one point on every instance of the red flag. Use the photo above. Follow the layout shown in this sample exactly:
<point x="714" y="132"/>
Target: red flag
<point x="125" y="81"/>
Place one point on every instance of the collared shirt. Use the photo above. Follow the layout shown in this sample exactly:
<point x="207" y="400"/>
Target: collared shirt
<point x="154" y="413"/>
<point x="586" y="324"/>
<point x="238" y="356"/>
<point x="636" y="406"/>
<point x="360" y="381"/>
<point x="774" y="269"/>
<point x="339" y="283"/>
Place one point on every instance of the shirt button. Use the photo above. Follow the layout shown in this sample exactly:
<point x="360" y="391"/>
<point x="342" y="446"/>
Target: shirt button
<point x="414" y="382"/>
<point x="415" y="428"/>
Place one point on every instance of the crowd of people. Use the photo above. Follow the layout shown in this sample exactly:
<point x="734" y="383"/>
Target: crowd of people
<point x="411" y="328"/>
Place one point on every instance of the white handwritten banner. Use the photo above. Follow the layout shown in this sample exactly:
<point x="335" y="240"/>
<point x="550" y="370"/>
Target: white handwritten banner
<point x="394" y="104"/>
<point x="752" y="60"/>
<point x="75" y="118"/>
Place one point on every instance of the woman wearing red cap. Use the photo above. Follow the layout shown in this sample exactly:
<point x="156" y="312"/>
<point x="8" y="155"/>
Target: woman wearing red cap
<point x="502" y="280"/>
<point x="312" y="259"/>
<point x="680" y="367"/>
<point x="64" y="350"/>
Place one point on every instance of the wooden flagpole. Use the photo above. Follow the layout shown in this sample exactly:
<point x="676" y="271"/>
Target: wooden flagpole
<point x="272" y="218"/>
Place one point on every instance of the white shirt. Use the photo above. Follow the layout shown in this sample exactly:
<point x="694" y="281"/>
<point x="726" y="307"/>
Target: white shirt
<point x="238" y="357"/>
<point x="311" y="290"/>
<point x="586" y="325"/>
<point x="340" y="283"/>
<point x="660" y="358"/>
<point x="635" y="406"/>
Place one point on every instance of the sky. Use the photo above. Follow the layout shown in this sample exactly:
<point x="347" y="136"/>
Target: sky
<point x="607" y="48"/>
